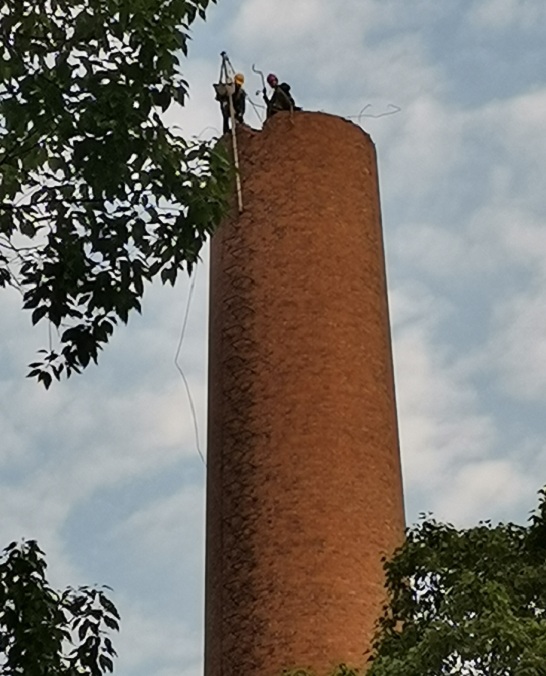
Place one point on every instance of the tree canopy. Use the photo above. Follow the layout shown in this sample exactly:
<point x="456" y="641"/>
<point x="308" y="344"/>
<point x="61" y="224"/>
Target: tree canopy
<point x="468" y="602"/>
<point x="45" y="632"/>
<point x="97" y="194"/>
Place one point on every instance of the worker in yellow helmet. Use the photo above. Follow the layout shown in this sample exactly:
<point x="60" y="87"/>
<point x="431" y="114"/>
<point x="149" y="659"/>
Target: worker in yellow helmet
<point x="238" y="96"/>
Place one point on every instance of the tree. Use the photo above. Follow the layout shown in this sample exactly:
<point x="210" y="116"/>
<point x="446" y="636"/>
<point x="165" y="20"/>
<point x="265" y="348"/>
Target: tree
<point x="97" y="194"/>
<point x="467" y="602"/>
<point x="49" y="633"/>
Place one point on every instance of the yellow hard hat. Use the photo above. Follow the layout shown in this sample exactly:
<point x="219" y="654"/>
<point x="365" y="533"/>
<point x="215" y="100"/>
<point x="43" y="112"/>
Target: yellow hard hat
<point x="239" y="79"/>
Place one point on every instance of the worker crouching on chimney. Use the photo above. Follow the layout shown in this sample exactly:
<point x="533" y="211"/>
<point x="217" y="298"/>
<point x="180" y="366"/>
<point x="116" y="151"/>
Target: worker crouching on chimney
<point x="238" y="97"/>
<point x="280" y="99"/>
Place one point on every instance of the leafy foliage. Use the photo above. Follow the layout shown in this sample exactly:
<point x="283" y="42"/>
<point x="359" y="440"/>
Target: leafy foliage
<point x="467" y="602"/>
<point x="44" y="632"/>
<point x="97" y="194"/>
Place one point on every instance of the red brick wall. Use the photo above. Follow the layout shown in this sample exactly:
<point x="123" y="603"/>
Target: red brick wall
<point x="304" y="488"/>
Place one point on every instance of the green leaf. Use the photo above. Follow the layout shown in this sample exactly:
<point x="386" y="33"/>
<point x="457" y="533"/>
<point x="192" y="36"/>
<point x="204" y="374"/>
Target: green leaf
<point x="466" y="599"/>
<point x="37" y="623"/>
<point x="83" y="147"/>
<point x="45" y="378"/>
<point x="39" y="313"/>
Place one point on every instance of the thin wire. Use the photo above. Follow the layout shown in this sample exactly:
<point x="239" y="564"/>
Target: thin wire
<point x="255" y="106"/>
<point x="392" y="109"/>
<point x="180" y="370"/>
<point x="210" y="127"/>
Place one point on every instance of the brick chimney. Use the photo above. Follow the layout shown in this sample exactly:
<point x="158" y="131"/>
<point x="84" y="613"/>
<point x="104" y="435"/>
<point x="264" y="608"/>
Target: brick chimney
<point x="304" y="491"/>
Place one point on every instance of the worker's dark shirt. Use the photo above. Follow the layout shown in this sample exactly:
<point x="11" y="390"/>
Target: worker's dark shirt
<point x="239" y="103"/>
<point x="280" y="99"/>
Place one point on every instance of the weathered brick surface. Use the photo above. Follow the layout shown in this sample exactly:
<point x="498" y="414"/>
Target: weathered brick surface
<point x="304" y="488"/>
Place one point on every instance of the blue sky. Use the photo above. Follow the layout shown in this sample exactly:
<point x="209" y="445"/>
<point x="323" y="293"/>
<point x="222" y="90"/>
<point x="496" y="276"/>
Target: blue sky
<point x="104" y="469"/>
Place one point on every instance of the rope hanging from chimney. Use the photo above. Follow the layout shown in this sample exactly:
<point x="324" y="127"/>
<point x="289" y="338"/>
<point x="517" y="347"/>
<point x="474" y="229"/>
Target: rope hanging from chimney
<point x="227" y="73"/>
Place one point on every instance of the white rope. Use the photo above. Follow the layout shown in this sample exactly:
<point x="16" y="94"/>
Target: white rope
<point x="224" y="72"/>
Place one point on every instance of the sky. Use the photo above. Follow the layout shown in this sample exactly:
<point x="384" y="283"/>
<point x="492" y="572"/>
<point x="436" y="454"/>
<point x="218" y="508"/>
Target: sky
<point x="105" y="470"/>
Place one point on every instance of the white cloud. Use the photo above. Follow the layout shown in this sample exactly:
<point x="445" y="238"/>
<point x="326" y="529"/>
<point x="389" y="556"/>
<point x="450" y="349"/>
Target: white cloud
<point x="201" y="115"/>
<point x="503" y="14"/>
<point x="487" y="488"/>
<point x="414" y="301"/>
<point x="439" y="251"/>
<point x="115" y="424"/>
<point x="155" y="644"/>
<point x="518" y="347"/>
<point x="478" y="220"/>
<point x="513" y="128"/>
<point x="323" y="49"/>
<point x="454" y="456"/>
<point x="319" y="22"/>
<point x="440" y="423"/>
<point x="290" y="19"/>
<point x="170" y="529"/>
<point x="519" y="233"/>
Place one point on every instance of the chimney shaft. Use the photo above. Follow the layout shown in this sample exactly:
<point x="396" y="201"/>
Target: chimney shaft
<point x="304" y="492"/>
